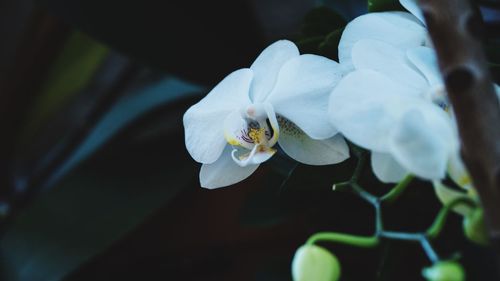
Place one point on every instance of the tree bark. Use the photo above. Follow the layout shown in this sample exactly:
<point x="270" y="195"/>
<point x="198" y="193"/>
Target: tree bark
<point x="455" y="30"/>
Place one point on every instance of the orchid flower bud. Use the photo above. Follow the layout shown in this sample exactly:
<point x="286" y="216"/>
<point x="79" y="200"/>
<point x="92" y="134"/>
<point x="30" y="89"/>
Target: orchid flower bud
<point x="444" y="271"/>
<point x="314" y="263"/>
<point x="474" y="227"/>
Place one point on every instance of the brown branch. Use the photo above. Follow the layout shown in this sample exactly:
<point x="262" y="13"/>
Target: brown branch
<point x="455" y="31"/>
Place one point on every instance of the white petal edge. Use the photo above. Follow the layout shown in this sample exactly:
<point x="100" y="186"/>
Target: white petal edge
<point x="447" y="195"/>
<point x="224" y="171"/>
<point x="296" y="144"/>
<point x="400" y="29"/>
<point x="422" y="142"/>
<point x="267" y="66"/>
<point x="234" y="124"/>
<point x="204" y="121"/>
<point x="301" y="93"/>
<point x="412" y="7"/>
<point x="425" y="60"/>
<point x="386" y="168"/>
<point x="366" y="105"/>
<point x="458" y="173"/>
<point x="389" y="60"/>
<point x="257" y="155"/>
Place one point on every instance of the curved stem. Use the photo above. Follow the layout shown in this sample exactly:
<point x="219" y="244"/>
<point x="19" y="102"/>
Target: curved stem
<point x="440" y="219"/>
<point x="370" y="198"/>
<point x="359" y="166"/>
<point x="429" y="250"/>
<point x="392" y="195"/>
<point x="354" y="240"/>
<point x="379" y="224"/>
<point x="401" y="235"/>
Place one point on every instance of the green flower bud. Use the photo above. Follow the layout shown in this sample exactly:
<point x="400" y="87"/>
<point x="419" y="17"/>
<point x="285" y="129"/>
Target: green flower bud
<point x="444" y="271"/>
<point x="313" y="263"/>
<point x="475" y="228"/>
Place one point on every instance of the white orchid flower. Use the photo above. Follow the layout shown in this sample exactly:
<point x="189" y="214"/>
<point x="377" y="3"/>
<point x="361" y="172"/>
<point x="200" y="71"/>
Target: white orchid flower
<point x="394" y="101"/>
<point x="400" y="29"/>
<point x="282" y="98"/>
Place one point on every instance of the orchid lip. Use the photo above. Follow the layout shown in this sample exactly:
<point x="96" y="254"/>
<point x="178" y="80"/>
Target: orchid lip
<point x="254" y="128"/>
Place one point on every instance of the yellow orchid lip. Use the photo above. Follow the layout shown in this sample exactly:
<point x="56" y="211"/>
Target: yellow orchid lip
<point x="254" y="129"/>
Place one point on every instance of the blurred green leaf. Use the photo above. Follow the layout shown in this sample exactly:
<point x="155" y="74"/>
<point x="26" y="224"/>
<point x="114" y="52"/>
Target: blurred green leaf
<point x="73" y="69"/>
<point x="135" y="104"/>
<point x="310" y="45"/>
<point x="329" y="46"/>
<point x="384" y="5"/>
<point x="291" y="190"/>
<point x="320" y="33"/>
<point x="89" y="210"/>
<point x="321" y="21"/>
<point x="201" y="42"/>
<point x="349" y="9"/>
<point x="492" y="50"/>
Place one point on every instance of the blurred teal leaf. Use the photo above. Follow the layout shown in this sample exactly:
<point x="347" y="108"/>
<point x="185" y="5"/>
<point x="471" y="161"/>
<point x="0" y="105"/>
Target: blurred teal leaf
<point x="94" y="206"/>
<point x="130" y="107"/>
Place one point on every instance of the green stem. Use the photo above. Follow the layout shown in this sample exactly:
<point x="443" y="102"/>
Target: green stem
<point x="354" y="240"/>
<point x="379" y="225"/>
<point x="359" y="167"/>
<point x="372" y="199"/>
<point x="392" y="195"/>
<point x="429" y="250"/>
<point x="401" y="235"/>
<point x="440" y="219"/>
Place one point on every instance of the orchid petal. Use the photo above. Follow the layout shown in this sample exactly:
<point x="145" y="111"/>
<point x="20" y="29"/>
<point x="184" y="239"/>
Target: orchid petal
<point x="412" y="7"/>
<point x="301" y="92"/>
<point x="234" y="130"/>
<point x="458" y="173"/>
<point x="400" y="29"/>
<point x="304" y="149"/>
<point x="447" y="195"/>
<point x="257" y="155"/>
<point x="273" y="121"/>
<point x="425" y="60"/>
<point x="267" y="66"/>
<point x="421" y="143"/>
<point x="203" y="122"/>
<point x="386" y="168"/>
<point x="388" y="60"/>
<point x="366" y="105"/>
<point x="224" y="171"/>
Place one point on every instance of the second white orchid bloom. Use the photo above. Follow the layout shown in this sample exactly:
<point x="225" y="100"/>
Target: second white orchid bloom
<point x="394" y="101"/>
<point x="282" y="98"/>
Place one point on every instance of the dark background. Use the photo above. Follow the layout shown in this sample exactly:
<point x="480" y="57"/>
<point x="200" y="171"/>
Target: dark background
<point x="95" y="180"/>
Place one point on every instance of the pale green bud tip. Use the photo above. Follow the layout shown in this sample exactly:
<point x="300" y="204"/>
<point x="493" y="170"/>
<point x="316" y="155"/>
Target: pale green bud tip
<point x="444" y="271"/>
<point x="313" y="263"/>
<point x="475" y="228"/>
